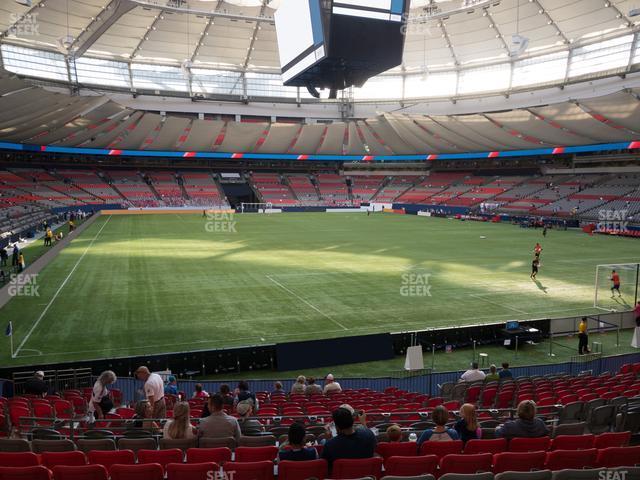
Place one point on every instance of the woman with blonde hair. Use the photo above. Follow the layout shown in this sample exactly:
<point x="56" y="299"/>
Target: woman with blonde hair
<point x="299" y="386"/>
<point x="100" y="403"/>
<point x="467" y="427"/>
<point x="179" y="427"/>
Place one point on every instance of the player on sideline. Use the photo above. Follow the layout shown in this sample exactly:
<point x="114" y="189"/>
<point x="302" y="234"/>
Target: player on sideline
<point x="615" y="278"/>
<point x="537" y="250"/>
<point x="534" y="268"/>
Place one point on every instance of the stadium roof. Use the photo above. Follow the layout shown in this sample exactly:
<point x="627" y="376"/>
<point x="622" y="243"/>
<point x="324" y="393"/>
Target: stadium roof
<point x="240" y="34"/>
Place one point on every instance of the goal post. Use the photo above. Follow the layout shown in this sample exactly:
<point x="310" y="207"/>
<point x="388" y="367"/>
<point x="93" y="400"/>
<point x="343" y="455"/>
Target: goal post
<point x="605" y="298"/>
<point x="256" y="207"/>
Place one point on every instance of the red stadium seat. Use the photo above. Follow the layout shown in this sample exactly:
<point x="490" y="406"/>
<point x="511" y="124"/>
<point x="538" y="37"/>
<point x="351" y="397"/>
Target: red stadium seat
<point x="25" y="473"/>
<point x="84" y="472"/>
<point x="288" y="470"/>
<point x="392" y="449"/>
<point x="465" y="463"/>
<point x="217" y="455"/>
<point x="572" y="442"/>
<point x="529" y="444"/>
<point x="75" y="458"/>
<point x="411" y="466"/>
<point x="518" y="461"/>
<point x="612" y="457"/>
<point x="561" y="459"/>
<point x="192" y="471"/>
<point x="441" y="448"/>
<point x="18" y="459"/>
<point x="256" y="454"/>
<point x="357" y="468"/>
<point x="148" y="471"/>
<point x="494" y="445"/>
<point x="108" y="458"/>
<point x="612" y="439"/>
<point x="162" y="457"/>
<point x="250" y="470"/>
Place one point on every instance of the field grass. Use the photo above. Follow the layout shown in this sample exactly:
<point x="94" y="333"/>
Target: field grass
<point x="132" y="285"/>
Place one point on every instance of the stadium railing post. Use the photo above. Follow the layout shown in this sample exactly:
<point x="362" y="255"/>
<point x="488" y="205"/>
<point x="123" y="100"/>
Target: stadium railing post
<point x="516" y="356"/>
<point x="433" y="357"/>
<point x="474" y="352"/>
<point x="551" y="354"/>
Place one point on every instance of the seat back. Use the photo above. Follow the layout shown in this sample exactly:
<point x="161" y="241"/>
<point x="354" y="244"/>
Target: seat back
<point x="192" y="471"/>
<point x="495" y="445"/>
<point x="257" y="441"/>
<point x="18" y="459"/>
<point x="290" y="470"/>
<point x="357" y="468"/>
<point x="183" y="443"/>
<point x="578" y="474"/>
<point x="256" y="454"/>
<point x="86" y="445"/>
<point x="612" y="439"/>
<point x="135" y="444"/>
<point x="250" y="470"/>
<point x="518" y="461"/>
<point x="108" y="458"/>
<point x="83" y="472"/>
<point x="561" y="459"/>
<point x="40" y="446"/>
<point x="618" y="457"/>
<point x="25" y="473"/>
<point x="411" y="466"/>
<point x="441" y="448"/>
<point x="529" y="444"/>
<point x="572" y="442"/>
<point x="466" y="463"/>
<point x="14" y="445"/>
<point x="147" y="471"/>
<point x="539" y="475"/>
<point x="218" y="455"/>
<point x="394" y="449"/>
<point x="51" y="459"/>
<point x="207" y="442"/>
<point x="162" y="457"/>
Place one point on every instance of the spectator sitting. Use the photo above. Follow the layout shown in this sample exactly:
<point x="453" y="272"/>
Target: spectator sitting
<point x="277" y="389"/>
<point x="493" y="374"/>
<point x="331" y="386"/>
<point x="225" y="392"/>
<point x="312" y="388"/>
<point x="349" y="442"/>
<point x="299" y="387"/>
<point x="248" y="426"/>
<point x="394" y="433"/>
<point x="293" y="448"/>
<point x="218" y="424"/>
<point x="467" y="427"/>
<point x="36" y="385"/>
<point x="171" y="388"/>
<point x="505" y="372"/>
<point x="179" y="427"/>
<point x="200" y="393"/>
<point x="440" y="433"/>
<point x="142" y="418"/>
<point x="527" y="424"/>
<point x="473" y="374"/>
<point x="243" y="393"/>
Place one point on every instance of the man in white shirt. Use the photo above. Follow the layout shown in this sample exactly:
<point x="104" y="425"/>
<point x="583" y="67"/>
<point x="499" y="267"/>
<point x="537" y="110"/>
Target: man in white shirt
<point x="153" y="390"/>
<point x="473" y="374"/>
<point x="331" y="386"/>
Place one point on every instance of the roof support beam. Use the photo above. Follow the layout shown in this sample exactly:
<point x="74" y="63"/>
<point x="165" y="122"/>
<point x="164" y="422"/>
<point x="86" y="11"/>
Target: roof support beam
<point x="494" y="25"/>
<point x="549" y="19"/>
<point x="204" y="13"/>
<point x="21" y="18"/>
<point x="156" y="20"/>
<point x="205" y="32"/>
<point x="256" y="28"/>
<point x="99" y="25"/>
<point x="445" y="34"/>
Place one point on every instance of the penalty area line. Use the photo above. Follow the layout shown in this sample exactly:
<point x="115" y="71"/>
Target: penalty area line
<point x="55" y="295"/>
<point x="306" y="302"/>
<point x="498" y="304"/>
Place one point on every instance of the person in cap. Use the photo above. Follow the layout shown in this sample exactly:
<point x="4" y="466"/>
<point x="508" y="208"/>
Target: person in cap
<point x="330" y="385"/>
<point x="171" y="388"/>
<point x="36" y="385"/>
<point x="153" y="391"/>
<point x="248" y="426"/>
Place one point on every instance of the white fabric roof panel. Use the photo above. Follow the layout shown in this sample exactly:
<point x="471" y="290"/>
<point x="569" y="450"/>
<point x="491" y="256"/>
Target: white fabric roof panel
<point x="334" y="139"/>
<point x="389" y="136"/>
<point x="459" y="134"/>
<point x="241" y="137"/>
<point x="354" y="145"/>
<point x="78" y="139"/>
<point x="309" y="139"/>
<point x="134" y="138"/>
<point x="496" y="135"/>
<point x="169" y="133"/>
<point x="421" y="130"/>
<point x="375" y="147"/>
<point x="622" y="108"/>
<point x="279" y="138"/>
<point x="202" y="135"/>
<point x="409" y="132"/>
<point x="105" y="139"/>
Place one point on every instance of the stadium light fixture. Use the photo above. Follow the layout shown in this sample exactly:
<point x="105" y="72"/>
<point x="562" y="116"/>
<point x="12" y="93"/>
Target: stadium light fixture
<point x="26" y="3"/>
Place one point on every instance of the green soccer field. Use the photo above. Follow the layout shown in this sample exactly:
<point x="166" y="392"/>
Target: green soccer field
<point x="132" y="285"/>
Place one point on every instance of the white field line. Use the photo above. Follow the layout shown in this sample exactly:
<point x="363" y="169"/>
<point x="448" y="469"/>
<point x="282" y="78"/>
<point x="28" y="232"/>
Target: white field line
<point x="306" y="302"/>
<point x="46" y="309"/>
<point x="499" y="304"/>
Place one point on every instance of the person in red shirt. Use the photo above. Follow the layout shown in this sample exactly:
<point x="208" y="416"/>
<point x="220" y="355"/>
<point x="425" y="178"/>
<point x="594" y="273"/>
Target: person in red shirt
<point x="536" y="250"/>
<point x="615" y="278"/>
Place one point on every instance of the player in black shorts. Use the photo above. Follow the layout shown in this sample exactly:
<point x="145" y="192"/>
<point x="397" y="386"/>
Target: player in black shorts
<point x="534" y="267"/>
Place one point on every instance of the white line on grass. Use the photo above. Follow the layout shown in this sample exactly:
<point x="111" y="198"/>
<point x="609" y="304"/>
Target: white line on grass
<point x="498" y="304"/>
<point x="46" y="309"/>
<point x="306" y="302"/>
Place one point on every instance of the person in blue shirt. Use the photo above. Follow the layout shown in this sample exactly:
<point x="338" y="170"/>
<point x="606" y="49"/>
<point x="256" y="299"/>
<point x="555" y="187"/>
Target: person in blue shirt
<point x="171" y="388"/>
<point x="440" y="433"/>
<point x="293" y="448"/>
<point x="505" y="372"/>
<point x="349" y="442"/>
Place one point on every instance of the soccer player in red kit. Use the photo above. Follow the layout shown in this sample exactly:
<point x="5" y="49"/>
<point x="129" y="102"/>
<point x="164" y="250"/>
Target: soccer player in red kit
<point x="537" y="249"/>
<point x="615" y="278"/>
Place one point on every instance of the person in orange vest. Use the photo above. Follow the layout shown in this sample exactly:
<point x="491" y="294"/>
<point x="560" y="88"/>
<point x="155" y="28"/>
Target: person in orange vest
<point x="615" y="279"/>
